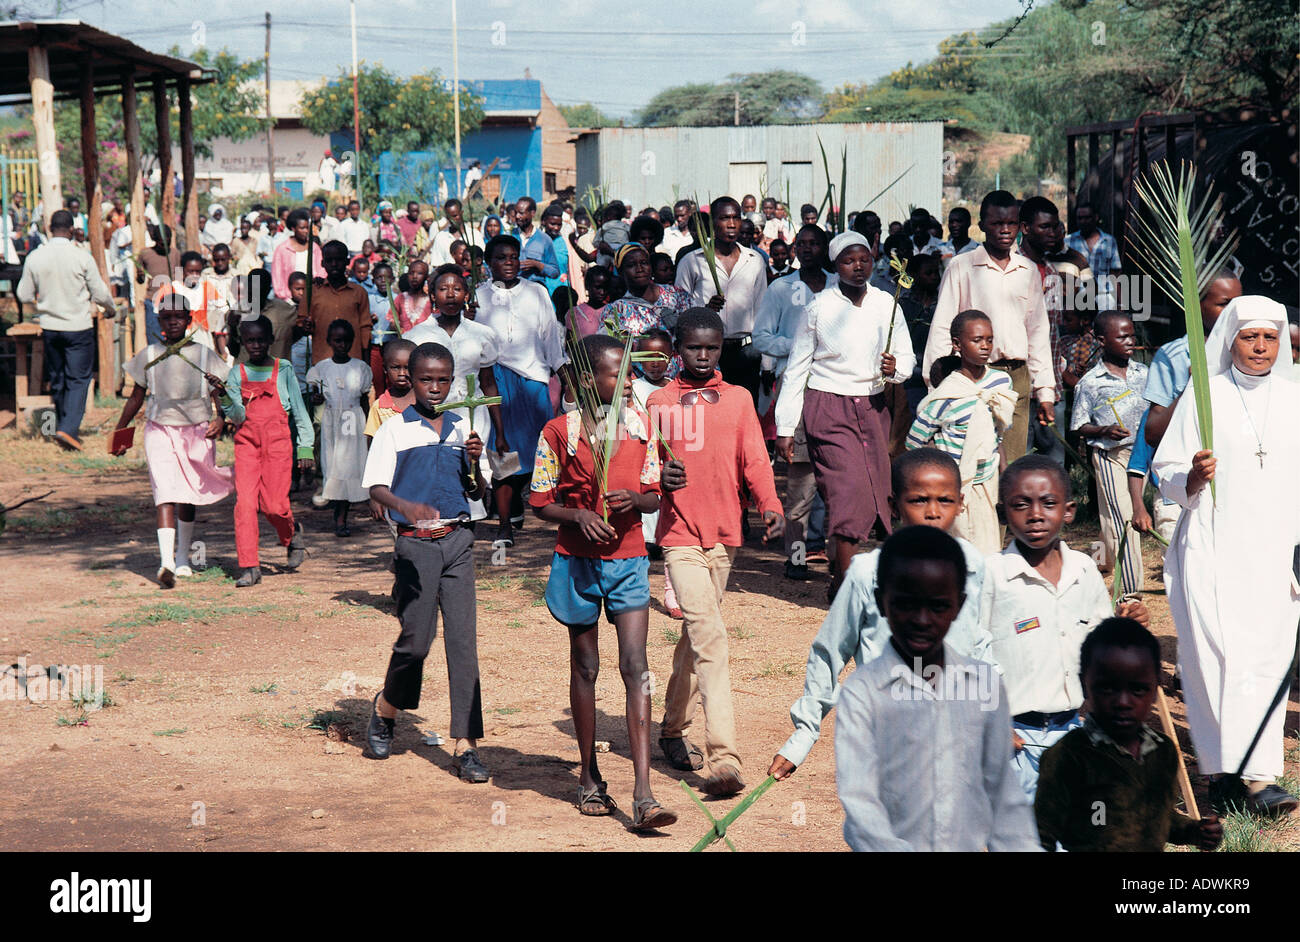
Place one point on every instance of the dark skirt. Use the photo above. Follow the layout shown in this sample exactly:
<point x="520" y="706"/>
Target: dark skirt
<point x="848" y="442"/>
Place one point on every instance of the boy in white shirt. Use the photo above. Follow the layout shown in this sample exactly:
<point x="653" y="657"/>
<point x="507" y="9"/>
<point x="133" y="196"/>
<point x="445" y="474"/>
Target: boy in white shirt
<point x="926" y="492"/>
<point x="920" y="749"/>
<point x="1040" y="599"/>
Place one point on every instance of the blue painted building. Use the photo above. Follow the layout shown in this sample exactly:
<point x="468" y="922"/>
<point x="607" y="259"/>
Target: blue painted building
<point x="517" y="118"/>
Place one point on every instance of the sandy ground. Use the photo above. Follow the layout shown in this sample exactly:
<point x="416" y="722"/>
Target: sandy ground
<point x="220" y="698"/>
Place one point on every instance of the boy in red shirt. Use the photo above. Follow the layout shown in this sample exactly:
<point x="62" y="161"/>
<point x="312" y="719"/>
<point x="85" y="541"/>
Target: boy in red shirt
<point x="600" y="557"/>
<point x="713" y="431"/>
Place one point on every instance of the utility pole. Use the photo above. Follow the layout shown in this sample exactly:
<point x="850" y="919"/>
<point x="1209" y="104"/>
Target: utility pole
<point x="737" y="107"/>
<point x="270" y="121"/>
<point x="356" y="109"/>
<point x="455" y="94"/>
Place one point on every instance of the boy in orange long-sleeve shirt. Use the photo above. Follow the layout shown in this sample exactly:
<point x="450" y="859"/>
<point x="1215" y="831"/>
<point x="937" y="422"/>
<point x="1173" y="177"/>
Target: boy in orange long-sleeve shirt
<point x="717" y="445"/>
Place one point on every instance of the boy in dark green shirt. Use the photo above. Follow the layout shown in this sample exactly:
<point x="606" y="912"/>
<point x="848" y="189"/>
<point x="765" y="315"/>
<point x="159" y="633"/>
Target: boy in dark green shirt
<point x="1111" y="785"/>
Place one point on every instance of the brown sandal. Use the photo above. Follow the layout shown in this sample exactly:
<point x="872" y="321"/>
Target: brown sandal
<point x="595" y="802"/>
<point x="648" y="815"/>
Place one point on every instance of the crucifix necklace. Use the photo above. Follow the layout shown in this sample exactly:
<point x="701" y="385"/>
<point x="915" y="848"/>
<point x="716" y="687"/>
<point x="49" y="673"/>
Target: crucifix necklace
<point x="1261" y="453"/>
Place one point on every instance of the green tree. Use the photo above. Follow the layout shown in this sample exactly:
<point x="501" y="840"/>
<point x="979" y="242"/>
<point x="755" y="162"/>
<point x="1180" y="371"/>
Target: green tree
<point x="777" y="97"/>
<point x="397" y="115"/>
<point x="230" y="107"/>
<point x="587" y="115"/>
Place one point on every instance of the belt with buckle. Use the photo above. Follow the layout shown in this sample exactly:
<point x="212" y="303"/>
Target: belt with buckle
<point x="1044" y="720"/>
<point x="437" y="533"/>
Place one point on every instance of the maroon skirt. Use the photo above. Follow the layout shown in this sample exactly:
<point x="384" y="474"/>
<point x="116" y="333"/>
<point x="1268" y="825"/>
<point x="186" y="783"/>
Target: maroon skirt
<point x="848" y="442"/>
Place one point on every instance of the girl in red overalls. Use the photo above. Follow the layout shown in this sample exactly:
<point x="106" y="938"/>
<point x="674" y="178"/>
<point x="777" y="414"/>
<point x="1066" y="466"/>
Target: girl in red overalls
<point x="258" y="397"/>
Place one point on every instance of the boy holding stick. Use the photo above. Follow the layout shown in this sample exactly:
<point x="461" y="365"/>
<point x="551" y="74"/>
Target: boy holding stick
<point x="1116" y="760"/>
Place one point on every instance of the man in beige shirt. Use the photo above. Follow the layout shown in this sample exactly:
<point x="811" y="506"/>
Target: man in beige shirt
<point x="1006" y="286"/>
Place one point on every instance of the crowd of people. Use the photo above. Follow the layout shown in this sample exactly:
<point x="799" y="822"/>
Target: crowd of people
<point x="635" y="379"/>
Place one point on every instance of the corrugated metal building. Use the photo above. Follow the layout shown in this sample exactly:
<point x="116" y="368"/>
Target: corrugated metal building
<point x="641" y="165"/>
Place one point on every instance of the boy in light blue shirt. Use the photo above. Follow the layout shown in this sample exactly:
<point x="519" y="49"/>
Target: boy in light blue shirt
<point x="927" y="492"/>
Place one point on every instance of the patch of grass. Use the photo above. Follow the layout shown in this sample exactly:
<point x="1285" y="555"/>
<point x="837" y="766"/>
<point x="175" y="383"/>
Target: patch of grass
<point x="211" y="574"/>
<point x="536" y="586"/>
<point x="514" y="623"/>
<point x="175" y="731"/>
<point x="297" y="589"/>
<point x="1289" y="782"/>
<point x="124" y="677"/>
<point x="1245" y="833"/>
<point x="257" y="719"/>
<point x="52" y="520"/>
<point x="272" y="687"/>
<point x="88" y="701"/>
<point x="672" y="635"/>
<point x="499" y="583"/>
<point x="321" y="719"/>
<point x="81" y="603"/>
<point x="741" y="633"/>
<point x="183" y="611"/>
<point x="116" y="584"/>
<point x="106" y="645"/>
<point x="79" y="720"/>
<point x="773" y="669"/>
<point x="504" y="711"/>
<point x="100" y="463"/>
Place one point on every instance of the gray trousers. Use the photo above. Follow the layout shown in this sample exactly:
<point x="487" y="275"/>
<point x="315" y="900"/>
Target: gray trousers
<point x="434" y="574"/>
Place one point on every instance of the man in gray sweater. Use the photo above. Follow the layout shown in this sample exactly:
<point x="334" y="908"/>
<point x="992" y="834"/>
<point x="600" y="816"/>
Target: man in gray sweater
<point x="64" y="282"/>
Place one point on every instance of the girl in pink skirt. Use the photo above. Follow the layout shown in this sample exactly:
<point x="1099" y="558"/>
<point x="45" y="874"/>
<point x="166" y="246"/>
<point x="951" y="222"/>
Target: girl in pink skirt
<point x="182" y="422"/>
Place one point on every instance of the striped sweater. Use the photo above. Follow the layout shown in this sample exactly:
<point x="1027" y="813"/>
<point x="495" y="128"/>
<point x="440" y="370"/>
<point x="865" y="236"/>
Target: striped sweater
<point x="943" y="419"/>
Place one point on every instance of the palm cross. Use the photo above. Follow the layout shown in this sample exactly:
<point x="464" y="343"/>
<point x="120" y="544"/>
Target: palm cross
<point x="471" y="402"/>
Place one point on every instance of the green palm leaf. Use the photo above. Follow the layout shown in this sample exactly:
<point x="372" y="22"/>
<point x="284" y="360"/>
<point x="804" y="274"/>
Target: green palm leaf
<point x="1173" y="237"/>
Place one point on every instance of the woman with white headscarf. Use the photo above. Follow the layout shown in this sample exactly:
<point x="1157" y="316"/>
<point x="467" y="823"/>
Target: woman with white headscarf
<point x="1228" y="570"/>
<point x="844" y="355"/>
<point x="219" y="230"/>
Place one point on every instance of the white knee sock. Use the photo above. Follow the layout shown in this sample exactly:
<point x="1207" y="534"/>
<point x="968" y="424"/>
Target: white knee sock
<point x="184" y="533"/>
<point x="167" y="547"/>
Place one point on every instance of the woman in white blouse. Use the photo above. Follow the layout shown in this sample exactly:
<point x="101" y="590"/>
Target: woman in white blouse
<point x="844" y="355"/>
<point x="530" y="344"/>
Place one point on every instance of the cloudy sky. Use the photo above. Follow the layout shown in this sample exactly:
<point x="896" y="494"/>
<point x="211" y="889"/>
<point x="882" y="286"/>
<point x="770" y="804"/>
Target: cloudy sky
<point x="615" y="54"/>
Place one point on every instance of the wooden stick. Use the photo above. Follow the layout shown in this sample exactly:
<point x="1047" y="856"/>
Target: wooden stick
<point x="1184" y="782"/>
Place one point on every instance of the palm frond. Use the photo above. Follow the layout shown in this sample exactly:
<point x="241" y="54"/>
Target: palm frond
<point x="1173" y="235"/>
<point x="704" y="235"/>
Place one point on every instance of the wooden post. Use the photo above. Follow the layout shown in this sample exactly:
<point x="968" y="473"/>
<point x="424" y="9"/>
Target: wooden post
<point x="131" y="131"/>
<point x="270" y="120"/>
<point x="162" y="122"/>
<point x="187" y="167"/>
<point x="94" y="217"/>
<point x="1069" y="184"/>
<point x="47" y="150"/>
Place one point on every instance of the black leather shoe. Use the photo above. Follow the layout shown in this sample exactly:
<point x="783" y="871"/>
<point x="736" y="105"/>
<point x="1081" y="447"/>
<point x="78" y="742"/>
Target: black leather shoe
<point x="297" y="548"/>
<point x="379" y="733"/>
<point x="796" y="571"/>
<point x="251" y="576"/>
<point x="470" y="768"/>
<point x="1273" y="800"/>
<point x="1228" y="794"/>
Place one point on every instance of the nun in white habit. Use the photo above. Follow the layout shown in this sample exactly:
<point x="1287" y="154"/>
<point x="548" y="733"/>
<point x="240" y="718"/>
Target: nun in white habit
<point x="1228" y="569"/>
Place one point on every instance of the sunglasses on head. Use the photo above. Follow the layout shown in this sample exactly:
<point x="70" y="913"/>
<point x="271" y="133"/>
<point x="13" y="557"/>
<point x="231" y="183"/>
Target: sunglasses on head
<point x="710" y="396"/>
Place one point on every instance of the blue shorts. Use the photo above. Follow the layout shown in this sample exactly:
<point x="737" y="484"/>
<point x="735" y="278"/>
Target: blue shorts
<point x="578" y="585"/>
